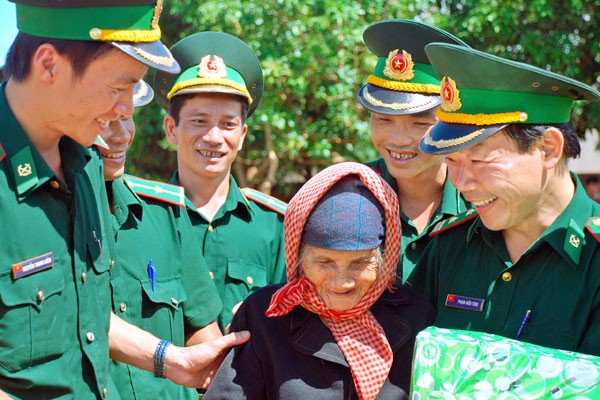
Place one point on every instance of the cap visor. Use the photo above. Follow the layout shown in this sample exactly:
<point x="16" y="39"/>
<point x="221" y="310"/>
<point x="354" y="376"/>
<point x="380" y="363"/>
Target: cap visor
<point x="211" y="89"/>
<point x="392" y="102"/>
<point x="444" y="138"/>
<point x="154" y="55"/>
<point x="142" y="93"/>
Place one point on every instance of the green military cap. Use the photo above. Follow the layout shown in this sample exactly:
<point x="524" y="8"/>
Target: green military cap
<point x="129" y="25"/>
<point x="403" y="81"/>
<point x="142" y="93"/>
<point x="482" y="93"/>
<point x="213" y="62"/>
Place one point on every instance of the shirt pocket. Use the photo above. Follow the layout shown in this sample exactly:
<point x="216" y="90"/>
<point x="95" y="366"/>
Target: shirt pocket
<point x="162" y="308"/>
<point x="34" y="317"/>
<point x="99" y="254"/>
<point x="243" y="278"/>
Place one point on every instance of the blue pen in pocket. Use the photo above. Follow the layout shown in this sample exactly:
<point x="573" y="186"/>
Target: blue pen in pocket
<point x="152" y="274"/>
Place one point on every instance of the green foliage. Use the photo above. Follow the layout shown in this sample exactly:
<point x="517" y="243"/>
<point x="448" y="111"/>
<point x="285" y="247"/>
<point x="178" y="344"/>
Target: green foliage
<point x="314" y="62"/>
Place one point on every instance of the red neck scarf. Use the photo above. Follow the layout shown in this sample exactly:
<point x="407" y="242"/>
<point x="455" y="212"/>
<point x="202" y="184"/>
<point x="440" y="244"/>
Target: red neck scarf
<point x="360" y="337"/>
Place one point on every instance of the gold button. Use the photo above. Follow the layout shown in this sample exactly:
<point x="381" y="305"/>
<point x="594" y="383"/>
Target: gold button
<point x="506" y="277"/>
<point x="40" y="296"/>
<point x="212" y="275"/>
<point x="174" y="301"/>
<point x="413" y="245"/>
<point x="83" y="277"/>
<point x="210" y="228"/>
<point x="54" y="184"/>
<point x="95" y="33"/>
<point x="90" y="337"/>
<point x="249" y="280"/>
<point x="111" y="263"/>
<point x="596" y="221"/>
<point x="123" y="307"/>
<point x="105" y="392"/>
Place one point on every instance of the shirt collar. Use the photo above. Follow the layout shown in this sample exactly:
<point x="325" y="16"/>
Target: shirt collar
<point x="566" y="234"/>
<point x="28" y="168"/>
<point x="124" y="202"/>
<point x="235" y="199"/>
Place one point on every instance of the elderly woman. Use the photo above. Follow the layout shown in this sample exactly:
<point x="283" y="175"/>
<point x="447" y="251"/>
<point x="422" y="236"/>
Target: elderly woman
<point x="338" y="329"/>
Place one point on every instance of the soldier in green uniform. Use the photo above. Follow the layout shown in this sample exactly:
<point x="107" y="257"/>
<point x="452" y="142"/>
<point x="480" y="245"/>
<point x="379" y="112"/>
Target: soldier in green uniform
<point x="525" y="262"/>
<point x="162" y="284"/>
<point x="402" y="95"/>
<point x="71" y="70"/>
<point x="240" y="231"/>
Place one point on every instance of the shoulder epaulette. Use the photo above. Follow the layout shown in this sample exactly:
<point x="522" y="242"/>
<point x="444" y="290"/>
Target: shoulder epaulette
<point x="270" y="202"/>
<point x="166" y="192"/>
<point x="2" y="152"/>
<point x="452" y="222"/>
<point x="101" y="143"/>
<point x="593" y="226"/>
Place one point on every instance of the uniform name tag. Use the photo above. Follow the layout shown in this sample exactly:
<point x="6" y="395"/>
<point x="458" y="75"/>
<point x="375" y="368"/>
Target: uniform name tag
<point x="32" y="265"/>
<point x="466" y="303"/>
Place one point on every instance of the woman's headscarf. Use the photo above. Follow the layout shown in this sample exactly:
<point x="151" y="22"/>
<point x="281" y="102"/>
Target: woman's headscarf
<point x="358" y="334"/>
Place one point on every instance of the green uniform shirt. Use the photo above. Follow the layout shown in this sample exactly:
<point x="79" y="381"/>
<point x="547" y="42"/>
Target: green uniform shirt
<point x="242" y="246"/>
<point x="53" y="322"/>
<point x="414" y="243"/>
<point x="183" y="298"/>
<point x="557" y="278"/>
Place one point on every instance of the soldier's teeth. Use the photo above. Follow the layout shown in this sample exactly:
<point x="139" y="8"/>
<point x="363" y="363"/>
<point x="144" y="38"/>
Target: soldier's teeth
<point x="483" y="202"/>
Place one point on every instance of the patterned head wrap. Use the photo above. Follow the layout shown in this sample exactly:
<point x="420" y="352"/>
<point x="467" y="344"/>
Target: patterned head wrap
<point x="359" y="335"/>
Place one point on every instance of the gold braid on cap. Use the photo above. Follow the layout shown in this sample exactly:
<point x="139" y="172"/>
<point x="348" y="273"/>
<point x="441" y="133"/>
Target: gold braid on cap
<point x="206" y="81"/>
<point x="404" y="86"/>
<point x="445" y="143"/>
<point x="482" y="119"/>
<point x="134" y="36"/>
<point x="395" y="106"/>
<point x="160" y="60"/>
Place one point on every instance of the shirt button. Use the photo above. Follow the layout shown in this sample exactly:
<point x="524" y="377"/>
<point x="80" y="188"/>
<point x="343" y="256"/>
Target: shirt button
<point x="83" y="277"/>
<point x="506" y="277"/>
<point x="413" y="245"/>
<point x="54" y="184"/>
<point x="249" y="280"/>
<point x="105" y="392"/>
<point x="123" y="307"/>
<point x="111" y="263"/>
<point x="40" y="296"/>
<point x="212" y="275"/>
<point x="210" y="228"/>
<point x="90" y="337"/>
<point x="174" y="301"/>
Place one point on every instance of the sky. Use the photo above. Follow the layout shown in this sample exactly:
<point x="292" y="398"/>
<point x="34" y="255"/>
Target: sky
<point x="8" y="27"/>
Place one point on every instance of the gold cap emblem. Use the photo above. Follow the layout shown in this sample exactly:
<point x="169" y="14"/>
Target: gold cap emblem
<point x="212" y="67"/>
<point x="399" y="66"/>
<point x="450" y="95"/>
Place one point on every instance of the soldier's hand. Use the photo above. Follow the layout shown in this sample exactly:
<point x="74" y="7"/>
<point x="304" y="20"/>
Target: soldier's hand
<point x="194" y="366"/>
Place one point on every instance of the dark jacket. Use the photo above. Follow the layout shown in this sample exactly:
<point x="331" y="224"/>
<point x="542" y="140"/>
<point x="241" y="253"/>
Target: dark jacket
<point x="296" y="357"/>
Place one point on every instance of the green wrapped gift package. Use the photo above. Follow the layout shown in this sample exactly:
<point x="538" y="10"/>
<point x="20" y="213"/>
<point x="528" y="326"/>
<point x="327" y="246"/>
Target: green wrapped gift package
<point x="461" y="365"/>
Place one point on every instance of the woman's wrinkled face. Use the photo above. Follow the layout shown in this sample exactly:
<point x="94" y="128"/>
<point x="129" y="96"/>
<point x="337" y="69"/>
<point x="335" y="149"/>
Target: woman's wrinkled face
<point x="341" y="278"/>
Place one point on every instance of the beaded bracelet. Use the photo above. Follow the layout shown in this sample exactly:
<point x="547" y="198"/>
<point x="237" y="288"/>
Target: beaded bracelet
<point x="159" y="358"/>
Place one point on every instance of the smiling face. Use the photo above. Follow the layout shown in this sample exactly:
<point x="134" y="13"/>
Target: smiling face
<point x="397" y="138"/>
<point x="210" y="132"/>
<point x="119" y="137"/>
<point x="508" y="188"/>
<point x="341" y="278"/>
<point x="85" y="106"/>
